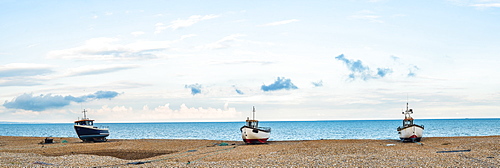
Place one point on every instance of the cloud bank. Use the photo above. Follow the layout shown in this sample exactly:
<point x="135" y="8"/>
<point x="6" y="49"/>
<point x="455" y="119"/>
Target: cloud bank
<point x="165" y="112"/>
<point x="279" y="84"/>
<point x="49" y="101"/>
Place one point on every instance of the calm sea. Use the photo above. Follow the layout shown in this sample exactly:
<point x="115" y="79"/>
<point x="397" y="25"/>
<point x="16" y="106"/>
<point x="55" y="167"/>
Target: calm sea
<point x="281" y="130"/>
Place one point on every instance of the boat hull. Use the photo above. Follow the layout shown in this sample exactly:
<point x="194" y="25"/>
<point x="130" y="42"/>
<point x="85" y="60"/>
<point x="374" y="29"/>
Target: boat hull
<point x="254" y="135"/>
<point x="91" y="133"/>
<point x="411" y="133"/>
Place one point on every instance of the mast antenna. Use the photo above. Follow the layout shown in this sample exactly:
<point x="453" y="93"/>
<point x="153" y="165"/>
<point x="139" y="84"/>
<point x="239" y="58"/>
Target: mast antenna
<point x="253" y="115"/>
<point x="84" y="115"/>
<point x="406" y="101"/>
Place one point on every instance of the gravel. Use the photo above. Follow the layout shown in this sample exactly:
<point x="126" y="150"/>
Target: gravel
<point x="28" y="152"/>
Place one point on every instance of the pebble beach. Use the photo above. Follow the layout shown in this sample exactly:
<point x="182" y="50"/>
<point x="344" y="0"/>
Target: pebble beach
<point x="483" y="151"/>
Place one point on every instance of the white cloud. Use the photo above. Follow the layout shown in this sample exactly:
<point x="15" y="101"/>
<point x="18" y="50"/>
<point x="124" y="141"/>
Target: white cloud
<point x="23" y="74"/>
<point x="24" y="69"/>
<point x="225" y="42"/>
<point x="486" y="5"/>
<point x="367" y="15"/>
<point x="280" y="22"/>
<point x="98" y="69"/>
<point x="180" y="23"/>
<point x="107" y="49"/>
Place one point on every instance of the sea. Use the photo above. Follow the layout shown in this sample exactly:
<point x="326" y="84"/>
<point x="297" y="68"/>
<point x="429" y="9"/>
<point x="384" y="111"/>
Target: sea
<point x="280" y="130"/>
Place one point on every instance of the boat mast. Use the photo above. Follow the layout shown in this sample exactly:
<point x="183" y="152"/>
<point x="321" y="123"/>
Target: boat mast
<point x="406" y="101"/>
<point x="253" y="115"/>
<point x="84" y="115"/>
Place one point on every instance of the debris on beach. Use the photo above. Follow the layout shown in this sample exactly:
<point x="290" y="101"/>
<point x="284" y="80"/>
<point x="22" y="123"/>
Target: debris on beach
<point x="42" y="163"/>
<point x="451" y="151"/>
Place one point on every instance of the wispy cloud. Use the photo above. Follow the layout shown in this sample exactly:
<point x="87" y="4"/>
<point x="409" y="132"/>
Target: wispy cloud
<point x="477" y="3"/>
<point x="487" y="5"/>
<point x="244" y="62"/>
<point x="49" y="101"/>
<point x="280" y="22"/>
<point x="367" y="15"/>
<point x="24" y="69"/>
<point x="20" y="81"/>
<point x="279" y="84"/>
<point x="34" y="74"/>
<point x="181" y="23"/>
<point x="98" y="69"/>
<point x="108" y="49"/>
<point x="360" y="71"/>
<point x="225" y="42"/>
<point x="195" y="88"/>
<point x="23" y="74"/>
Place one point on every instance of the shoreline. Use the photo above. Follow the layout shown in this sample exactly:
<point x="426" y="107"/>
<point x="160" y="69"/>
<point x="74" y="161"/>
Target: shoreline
<point x="464" y="151"/>
<point x="239" y="121"/>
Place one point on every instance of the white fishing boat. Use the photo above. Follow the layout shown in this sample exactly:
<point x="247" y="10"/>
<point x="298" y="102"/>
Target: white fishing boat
<point x="410" y="131"/>
<point x="252" y="133"/>
<point x="87" y="132"/>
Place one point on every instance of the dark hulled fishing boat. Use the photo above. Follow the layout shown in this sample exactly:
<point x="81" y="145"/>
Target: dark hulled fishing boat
<point x="88" y="132"/>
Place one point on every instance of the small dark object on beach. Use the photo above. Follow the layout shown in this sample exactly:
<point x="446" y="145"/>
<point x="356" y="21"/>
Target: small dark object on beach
<point x="468" y="150"/>
<point x="136" y="163"/>
<point x="42" y="163"/>
<point x="223" y="144"/>
<point x="49" y="140"/>
<point x="192" y="150"/>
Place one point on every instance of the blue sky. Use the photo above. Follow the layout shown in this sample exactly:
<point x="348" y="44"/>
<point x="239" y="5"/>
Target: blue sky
<point x="168" y="61"/>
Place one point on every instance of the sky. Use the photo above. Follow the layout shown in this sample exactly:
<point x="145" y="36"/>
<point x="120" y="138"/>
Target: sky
<point x="204" y="61"/>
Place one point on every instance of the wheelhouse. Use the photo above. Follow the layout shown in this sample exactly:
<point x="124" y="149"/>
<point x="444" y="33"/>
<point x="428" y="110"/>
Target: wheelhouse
<point x="84" y="122"/>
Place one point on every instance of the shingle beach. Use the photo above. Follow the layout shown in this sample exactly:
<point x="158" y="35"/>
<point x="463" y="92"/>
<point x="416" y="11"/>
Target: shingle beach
<point x="481" y="151"/>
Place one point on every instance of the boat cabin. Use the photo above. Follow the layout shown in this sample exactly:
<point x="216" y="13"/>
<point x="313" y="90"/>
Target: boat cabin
<point x="84" y="122"/>
<point x="252" y="123"/>
<point x="407" y="122"/>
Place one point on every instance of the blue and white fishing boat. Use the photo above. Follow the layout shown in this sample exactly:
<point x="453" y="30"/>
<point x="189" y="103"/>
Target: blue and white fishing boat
<point x="88" y="132"/>
<point x="410" y="131"/>
<point x="252" y="133"/>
